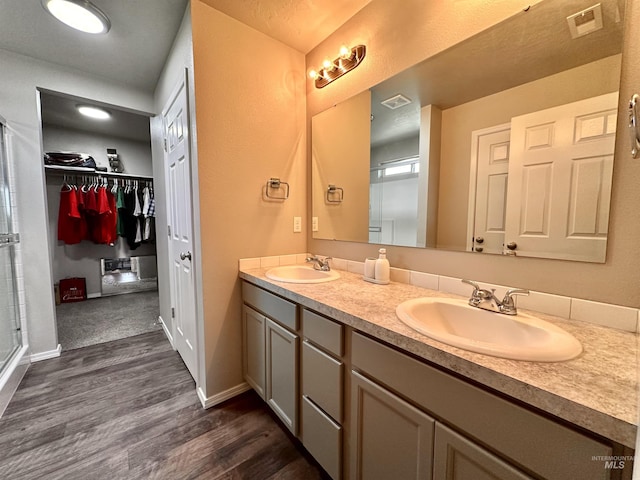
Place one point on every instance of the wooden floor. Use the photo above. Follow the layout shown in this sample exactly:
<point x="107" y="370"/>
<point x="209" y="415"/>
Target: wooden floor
<point x="128" y="409"/>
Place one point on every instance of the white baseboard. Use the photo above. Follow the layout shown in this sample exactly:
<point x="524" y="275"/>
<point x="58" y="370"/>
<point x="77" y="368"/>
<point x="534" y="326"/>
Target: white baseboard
<point x="38" y="357"/>
<point x="166" y="331"/>
<point x="208" y="402"/>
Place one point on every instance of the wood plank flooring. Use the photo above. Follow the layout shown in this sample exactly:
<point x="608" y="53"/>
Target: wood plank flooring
<point x="127" y="409"/>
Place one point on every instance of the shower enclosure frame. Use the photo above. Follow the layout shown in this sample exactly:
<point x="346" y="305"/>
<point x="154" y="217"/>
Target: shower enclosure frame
<point x="13" y="361"/>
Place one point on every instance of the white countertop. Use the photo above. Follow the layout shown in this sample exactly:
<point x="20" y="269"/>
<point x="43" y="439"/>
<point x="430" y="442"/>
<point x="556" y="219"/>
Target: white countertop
<point x="597" y="390"/>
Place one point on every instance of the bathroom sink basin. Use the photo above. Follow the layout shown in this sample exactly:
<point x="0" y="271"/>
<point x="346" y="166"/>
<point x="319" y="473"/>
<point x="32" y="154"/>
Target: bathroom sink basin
<point x="518" y="337"/>
<point x="301" y="274"/>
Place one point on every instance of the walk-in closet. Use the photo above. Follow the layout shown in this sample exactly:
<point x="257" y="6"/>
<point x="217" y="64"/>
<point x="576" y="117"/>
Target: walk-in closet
<point x="101" y="212"/>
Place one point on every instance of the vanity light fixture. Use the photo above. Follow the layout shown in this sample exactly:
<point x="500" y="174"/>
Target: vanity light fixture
<point x="349" y="59"/>
<point x="94" y="112"/>
<point x="79" y="14"/>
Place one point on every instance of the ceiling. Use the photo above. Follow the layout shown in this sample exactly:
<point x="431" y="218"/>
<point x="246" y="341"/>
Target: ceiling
<point x="132" y="53"/>
<point x="526" y="47"/>
<point x="142" y="33"/>
<point x="301" y="24"/>
<point x="60" y="110"/>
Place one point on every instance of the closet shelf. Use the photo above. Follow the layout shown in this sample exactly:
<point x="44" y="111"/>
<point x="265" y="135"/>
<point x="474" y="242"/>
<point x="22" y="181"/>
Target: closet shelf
<point x="91" y="171"/>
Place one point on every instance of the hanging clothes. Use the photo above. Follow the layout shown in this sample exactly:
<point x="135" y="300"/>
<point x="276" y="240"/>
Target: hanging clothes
<point x="70" y="221"/>
<point x="130" y="220"/>
<point x="120" y="206"/>
<point x="148" y="210"/>
<point x="100" y="214"/>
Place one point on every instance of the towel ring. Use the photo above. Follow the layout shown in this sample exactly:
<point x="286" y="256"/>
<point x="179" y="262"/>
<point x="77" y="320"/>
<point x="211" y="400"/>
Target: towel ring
<point x="276" y="184"/>
<point x="332" y="191"/>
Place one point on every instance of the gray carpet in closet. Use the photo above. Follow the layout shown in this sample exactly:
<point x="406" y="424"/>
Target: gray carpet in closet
<point x="104" y="319"/>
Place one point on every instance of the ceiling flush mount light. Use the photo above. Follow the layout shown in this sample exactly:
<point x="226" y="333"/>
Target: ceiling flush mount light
<point x="79" y="14"/>
<point x="93" y="112"/>
<point x="349" y="59"/>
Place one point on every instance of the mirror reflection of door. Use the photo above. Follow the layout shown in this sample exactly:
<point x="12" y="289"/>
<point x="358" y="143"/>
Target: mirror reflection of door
<point x="490" y="147"/>
<point x="560" y="180"/>
<point x="543" y="182"/>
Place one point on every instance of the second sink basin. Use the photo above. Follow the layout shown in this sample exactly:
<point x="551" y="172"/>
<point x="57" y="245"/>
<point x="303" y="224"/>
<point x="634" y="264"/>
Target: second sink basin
<point x="518" y="337"/>
<point x="301" y="274"/>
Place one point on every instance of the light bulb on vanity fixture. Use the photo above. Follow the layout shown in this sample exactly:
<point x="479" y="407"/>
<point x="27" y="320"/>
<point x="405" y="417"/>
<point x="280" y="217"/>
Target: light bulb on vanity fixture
<point x="348" y="59"/>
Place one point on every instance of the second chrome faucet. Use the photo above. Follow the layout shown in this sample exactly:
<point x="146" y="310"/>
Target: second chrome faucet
<point x="319" y="263"/>
<point x="486" y="299"/>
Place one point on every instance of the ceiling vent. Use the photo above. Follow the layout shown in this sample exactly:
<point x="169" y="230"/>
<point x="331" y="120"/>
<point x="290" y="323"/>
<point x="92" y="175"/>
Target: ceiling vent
<point x="396" y="102"/>
<point x="584" y="22"/>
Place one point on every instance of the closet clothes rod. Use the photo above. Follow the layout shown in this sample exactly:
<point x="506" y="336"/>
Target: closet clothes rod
<point x="91" y="171"/>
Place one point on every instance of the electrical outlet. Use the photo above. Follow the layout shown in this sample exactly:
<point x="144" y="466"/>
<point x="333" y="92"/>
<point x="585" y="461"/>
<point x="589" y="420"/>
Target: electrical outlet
<point x="297" y="224"/>
<point x="314" y="224"/>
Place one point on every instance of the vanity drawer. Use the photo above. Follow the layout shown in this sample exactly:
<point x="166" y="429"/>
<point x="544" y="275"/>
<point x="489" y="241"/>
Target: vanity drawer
<point x="322" y="380"/>
<point x="322" y="437"/>
<point x="323" y="332"/>
<point x="503" y="426"/>
<point x="271" y="305"/>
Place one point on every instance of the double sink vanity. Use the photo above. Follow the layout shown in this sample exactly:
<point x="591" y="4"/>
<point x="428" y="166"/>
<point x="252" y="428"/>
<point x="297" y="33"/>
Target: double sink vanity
<point x="397" y="381"/>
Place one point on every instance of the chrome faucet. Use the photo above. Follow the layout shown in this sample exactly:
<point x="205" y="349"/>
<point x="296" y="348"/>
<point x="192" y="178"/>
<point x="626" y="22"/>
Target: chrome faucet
<point x="487" y="300"/>
<point x="319" y="263"/>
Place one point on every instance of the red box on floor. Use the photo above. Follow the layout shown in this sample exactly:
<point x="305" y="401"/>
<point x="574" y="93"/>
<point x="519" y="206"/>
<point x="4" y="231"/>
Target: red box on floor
<point x="73" y="290"/>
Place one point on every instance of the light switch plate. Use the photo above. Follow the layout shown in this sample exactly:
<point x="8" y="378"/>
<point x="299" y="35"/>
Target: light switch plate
<point x="314" y="224"/>
<point x="297" y="224"/>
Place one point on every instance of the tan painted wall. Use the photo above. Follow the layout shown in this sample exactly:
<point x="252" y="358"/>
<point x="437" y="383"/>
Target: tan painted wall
<point x="340" y="157"/>
<point x="458" y="123"/>
<point x="430" y="27"/>
<point x="251" y="126"/>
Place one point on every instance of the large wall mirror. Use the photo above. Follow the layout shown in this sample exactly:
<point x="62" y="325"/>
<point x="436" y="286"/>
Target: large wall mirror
<point x="502" y="144"/>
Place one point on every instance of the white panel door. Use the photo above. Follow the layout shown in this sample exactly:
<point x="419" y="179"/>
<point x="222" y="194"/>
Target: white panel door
<point x="560" y="180"/>
<point x="178" y="175"/>
<point x="490" y="154"/>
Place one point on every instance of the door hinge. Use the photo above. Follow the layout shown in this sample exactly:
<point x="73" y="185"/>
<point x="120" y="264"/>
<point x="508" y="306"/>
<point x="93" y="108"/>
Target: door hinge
<point x="173" y="312"/>
<point x="169" y="230"/>
<point x="164" y="141"/>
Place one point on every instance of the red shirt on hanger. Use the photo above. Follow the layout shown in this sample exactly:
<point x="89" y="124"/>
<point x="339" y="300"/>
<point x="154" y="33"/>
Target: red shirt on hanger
<point x="70" y="221"/>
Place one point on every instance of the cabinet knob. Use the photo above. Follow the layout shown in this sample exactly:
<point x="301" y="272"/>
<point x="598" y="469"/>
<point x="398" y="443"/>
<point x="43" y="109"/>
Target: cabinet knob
<point x="479" y="249"/>
<point x="479" y="239"/>
<point x="512" y="245"/>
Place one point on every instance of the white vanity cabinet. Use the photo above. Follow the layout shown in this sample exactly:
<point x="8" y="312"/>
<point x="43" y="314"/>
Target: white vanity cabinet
<point x="389" y="437"/>
<point x="457" y="457"/>
<point x="270" y="351"/>
<point x="253" y="349"/>
<point x="497" y="438"/>
<point x="322" y="390"/>
<point x="367" y="410"/>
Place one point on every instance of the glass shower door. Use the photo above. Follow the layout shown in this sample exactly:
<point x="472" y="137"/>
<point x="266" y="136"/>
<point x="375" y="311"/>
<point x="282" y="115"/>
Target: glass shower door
<point x="10" y="334"/>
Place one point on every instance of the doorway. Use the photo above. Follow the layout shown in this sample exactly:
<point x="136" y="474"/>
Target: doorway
<point x="101" y="209"/>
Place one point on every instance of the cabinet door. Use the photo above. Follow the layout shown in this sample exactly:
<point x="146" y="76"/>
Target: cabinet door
<point x="390" y="438"/>
<point x="253" y="356"/>
<point x="282" y="373"/>
<point x="458" y="458"/>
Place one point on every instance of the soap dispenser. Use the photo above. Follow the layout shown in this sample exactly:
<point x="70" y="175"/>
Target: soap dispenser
<point x="382" y="267"/>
